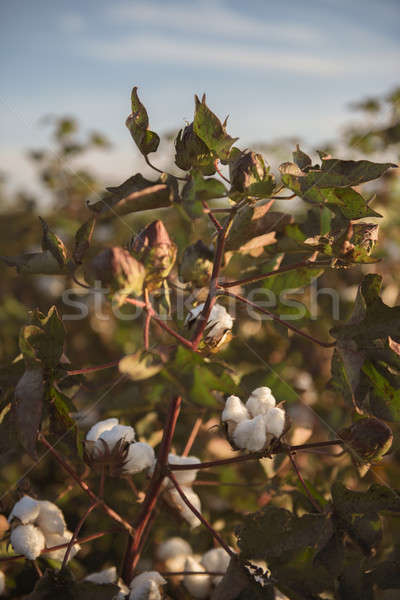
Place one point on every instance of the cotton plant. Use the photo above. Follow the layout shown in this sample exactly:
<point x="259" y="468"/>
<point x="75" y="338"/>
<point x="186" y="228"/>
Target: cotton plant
<point x="108" y="444"/>
<point x="109" y="575"/>
<point x="254" y="425"/>
<point x="147" y="586"/>
<point x="36" y="525"/>
<point x="218" y="330"/>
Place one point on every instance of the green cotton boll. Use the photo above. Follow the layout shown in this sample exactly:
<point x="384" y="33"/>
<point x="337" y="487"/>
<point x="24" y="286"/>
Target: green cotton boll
<point x="197" y="264"/>
<point x="249" y="175"/>
<point x="117" y="270"/>
<point x="192" y="152"/>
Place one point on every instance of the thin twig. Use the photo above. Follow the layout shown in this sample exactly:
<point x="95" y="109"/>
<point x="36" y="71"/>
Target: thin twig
<point x="193" y="434"/>
<point x="109" y="365"/>
<point x="211" y="216"/>
<point x="146" y="158"/>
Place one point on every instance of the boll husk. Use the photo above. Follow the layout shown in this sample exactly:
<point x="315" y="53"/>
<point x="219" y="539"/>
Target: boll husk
<point x="107" y="445"/>
<point x="199" y="586"/>
<point x="249" y="175"/>
<point x="27" y="540"/>
<point x="191" y="151"/>
<point x="197" y="264"/>
<point x="368" y="440"/>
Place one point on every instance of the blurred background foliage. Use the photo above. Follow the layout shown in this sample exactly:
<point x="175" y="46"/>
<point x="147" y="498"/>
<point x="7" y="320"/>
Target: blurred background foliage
<point x="260" y="353"/>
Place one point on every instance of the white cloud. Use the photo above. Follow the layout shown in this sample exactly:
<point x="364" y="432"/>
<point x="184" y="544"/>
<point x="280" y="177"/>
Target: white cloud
<point x="209" y="17"/>
<point x="239" y="56"/>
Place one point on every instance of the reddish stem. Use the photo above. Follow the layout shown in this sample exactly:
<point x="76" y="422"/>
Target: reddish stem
<point x="213" y="219"/>
<point x="109" y="365"/>
<point x="193" y="434"/>
<point x="216" y="165"/>
<point x="200" y="516"/>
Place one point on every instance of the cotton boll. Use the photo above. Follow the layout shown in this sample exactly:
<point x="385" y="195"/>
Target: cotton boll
<point x="216" y="559"/>
<point x="2" y="583"/>
<point x="146" y="586"/>
<point x="250" y="434"/>
<point x="26" y="510"/>
<point x="105" y="576"/>
<point x="27" y="540"/>
<point x="173" y="497"/>
<point x="50" y="518"/>
<point x="55" y="539"/>
<point x="184" y="477"/>
<point x="275" y="421"/>
<point x="140" y="456"/>
<point x="234" y="410"/>
<point x="95" y="432"/>
<point x="219" y="321"/>
<point x="260" y="401"/>
<point x="118" y="433"/>
<point x="175" y="546"/>
<point x="199" y="586"/>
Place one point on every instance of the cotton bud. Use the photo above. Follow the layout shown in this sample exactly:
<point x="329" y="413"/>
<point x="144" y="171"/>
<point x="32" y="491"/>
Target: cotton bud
<point x="26" y="510"/>
<point x="219" y="324"/>
<point x="184" y="477"/>
<point x="105" y="576"/>
<point x="174" y="499"/>
<point x="27" y="540"/>
<point x="140" y="456"/>
<point x="249" y="175"/>
<point x="275" y="421"/>
<point x="146" y="586"/>
<point x="197" y="264"/>
<point x="173" y="553"/>
<point x="155" y="249"/>
<point x="260" y="401"/>
<point x="50" y="518"/>
<point x="117" y="270"/>
<point x="191" y="151"/>
<point x="234" y="410"/>
<point x="56" y="539"/>
<point x="216" y="559"/>
<point x="250" y="434"/>
<point x="199" y="586"/>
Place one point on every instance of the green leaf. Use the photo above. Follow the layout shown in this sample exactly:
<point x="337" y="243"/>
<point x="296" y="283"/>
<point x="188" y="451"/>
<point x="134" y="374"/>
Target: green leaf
<point x="192" y="153"/>
<point x="138" y="122"/>
<point x="292" y="280"/>
<point x="83" y="237"/>
<point x="350" y="203"/>
<point x="43" y="343"/>
<point x="255" y="226"/>
<point x="140" y="366"/>
<point x="35" y="263"/>
<point x="205" y="381"/>
<point x="210" y="129"/>
<point x="250" y="176"/>
<point x="197" y="189"/>
<point x="52" y="243"/>
<point x="27" y="408"/>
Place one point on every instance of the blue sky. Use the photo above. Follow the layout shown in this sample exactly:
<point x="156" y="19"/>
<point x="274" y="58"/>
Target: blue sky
<point x="278" y="68"/>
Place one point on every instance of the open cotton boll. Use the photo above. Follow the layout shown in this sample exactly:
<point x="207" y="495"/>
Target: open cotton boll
<point x="118" y="433"/>
<point x="55" y="539"/>
<point x="199" y="586"/>
<point x="2" y="583"/>
<point x="175" y="546"/>
<point x="146" y="586"/>
<point x="174" y="498"/>
<point x="184" y="477"/>
<point x="216" y="559"/>
<point x="219" y="321"/>
<point x="234" y="410"/>
<point x="275" y="421"/>
<point x="260" y="401"/>
<point x="105" y="576"/>
<point x="250" y="434"/>
<point x="140" y="456"/>
<point x="95" y="432"/>
<point x="50" y="518"/>
<point x="26" y="510"/>
<point x="27" y="540"/>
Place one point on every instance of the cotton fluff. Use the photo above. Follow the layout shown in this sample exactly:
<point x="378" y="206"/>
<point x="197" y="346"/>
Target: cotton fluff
<point x="50" y="518"/>
<point x="184" y="477"/>
<point x="27" y="540"/>
<point x="98" y="428"/>
<point x="234" y="410"/>
<point x="140" y="456"/>
<point x="146" y="586"/>
<point x="26" y="510"/>
<point x="56" y="539"/>
<point x="260" y="401"/>
<point x="199" y="586"/>
<point x="251" y="434"/>
<point x="216" y="559"/>
<point x="105" y="576"/>
<point x="275" y="421"/>
<point x="2" y="583"/>
<point x="118" y="433"/>
<point x="173" y="553"/>
<point x="219" y="320"/>
<point x="173" y="497"/>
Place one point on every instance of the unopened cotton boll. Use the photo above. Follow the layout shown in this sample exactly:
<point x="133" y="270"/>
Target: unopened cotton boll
<point x="216" y="559"/>
<point x="55" y="539"/>
<point x="184" y="477"/>
<point x="140" y="456"/>
<point x="27" y="540"/>
<point x="260" y="401"/>
<point x="105" y="576"/>
<point x="174" y="498"/>
<point x="251" y="434"/>
<point x="199" y="586"/>
<point x="275" y="421"/>
<point x="118" y="433"/>
<point x="26" y="510"/>
<point x="95" y="432"/>
<point x="50" y="518"/>
<point x="234" y="410"/>
<point x="146" y="586"/>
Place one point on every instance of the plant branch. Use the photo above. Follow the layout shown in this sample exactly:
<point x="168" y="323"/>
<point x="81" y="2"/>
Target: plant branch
<point x="278" y="320"/>
<point x="109" y="365"/>
<point x="213" y="219"/>
<point x="303" y="483"/>
<point x="193" y="434"/>
<point x="146" y="158"/>
<point x="262" y="276"/>
<point x="216" y="165"/>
